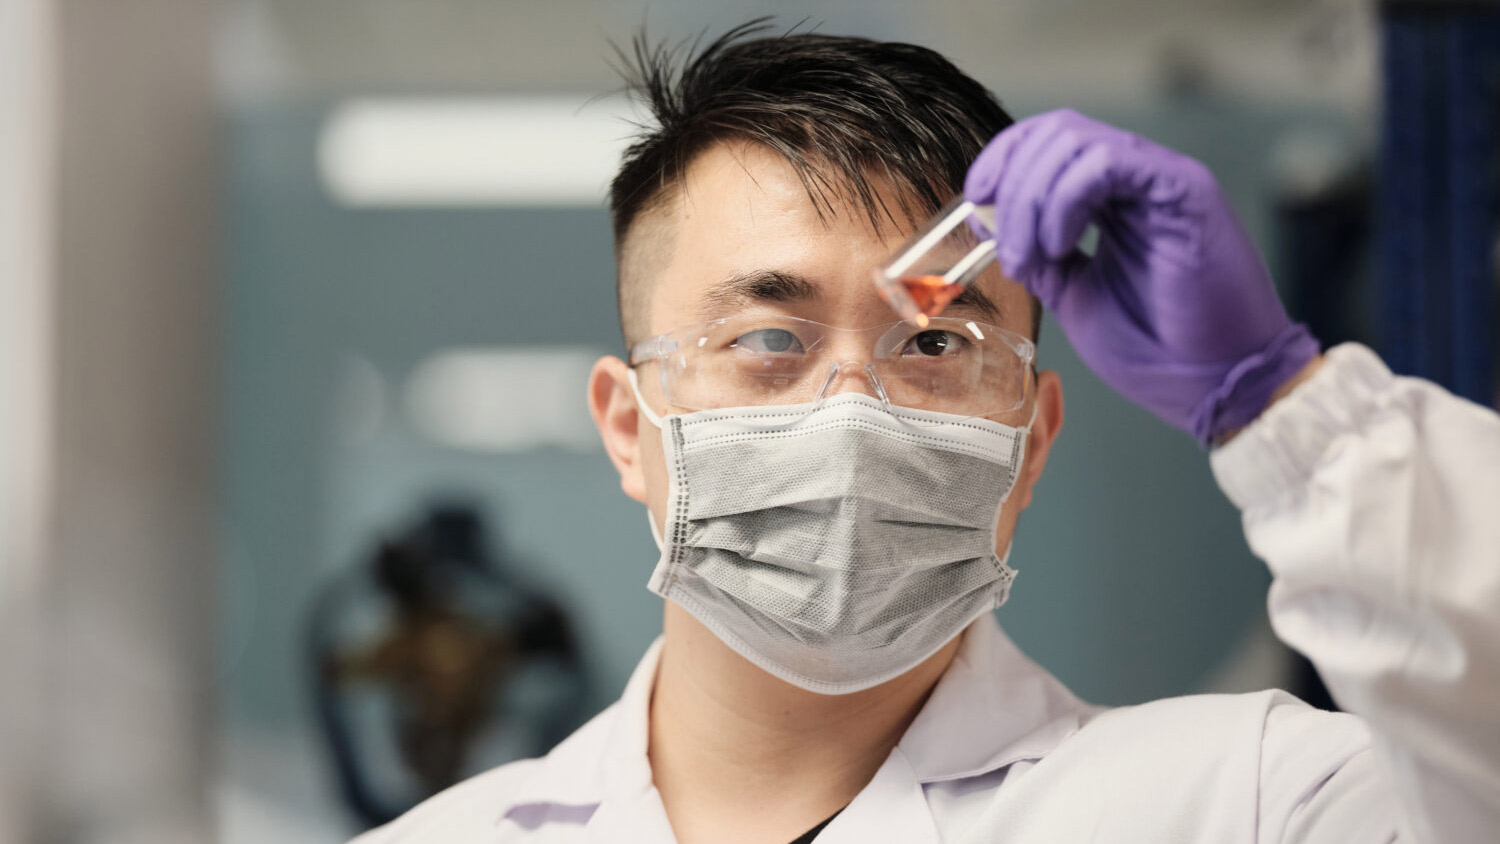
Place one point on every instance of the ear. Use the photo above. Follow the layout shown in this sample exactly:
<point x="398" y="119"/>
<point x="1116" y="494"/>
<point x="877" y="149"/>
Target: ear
<point x="612" y="403"/>
<point x="1044" y="431"/>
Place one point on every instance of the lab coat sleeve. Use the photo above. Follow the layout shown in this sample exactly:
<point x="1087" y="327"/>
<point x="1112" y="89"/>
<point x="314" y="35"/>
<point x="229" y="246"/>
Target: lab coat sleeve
<point x="1375" y="501"/>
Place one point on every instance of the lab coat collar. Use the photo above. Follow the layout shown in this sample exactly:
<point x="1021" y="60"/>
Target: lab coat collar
<point x="607" y="756"/>
<point x="993" y="707"/>
<point x="627" y="768"/>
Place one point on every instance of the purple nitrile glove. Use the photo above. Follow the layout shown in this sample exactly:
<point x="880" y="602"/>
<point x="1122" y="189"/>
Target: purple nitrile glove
<point x="1175" y="310"/>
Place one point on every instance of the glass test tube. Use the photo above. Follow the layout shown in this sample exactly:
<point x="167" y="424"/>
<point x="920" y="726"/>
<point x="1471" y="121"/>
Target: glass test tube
<point x="935" y="265"/>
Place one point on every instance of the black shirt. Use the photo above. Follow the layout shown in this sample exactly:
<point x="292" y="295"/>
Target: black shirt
<point x="808" y="836"/>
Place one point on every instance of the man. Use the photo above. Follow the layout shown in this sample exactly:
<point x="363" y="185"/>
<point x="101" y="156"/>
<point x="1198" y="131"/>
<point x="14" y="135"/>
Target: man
<point x="835" y="495"/>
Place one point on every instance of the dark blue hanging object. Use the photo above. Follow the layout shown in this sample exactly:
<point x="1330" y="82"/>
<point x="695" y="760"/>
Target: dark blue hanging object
<point x="434" y="660"/>
<point x="1440" y="193"/>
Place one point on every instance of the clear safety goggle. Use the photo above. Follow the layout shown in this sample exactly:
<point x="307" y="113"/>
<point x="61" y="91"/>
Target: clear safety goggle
<point x="953" y="365"/>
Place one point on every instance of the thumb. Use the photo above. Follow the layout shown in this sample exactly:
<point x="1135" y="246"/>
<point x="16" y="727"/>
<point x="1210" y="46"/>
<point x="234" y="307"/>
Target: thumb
<point x="1051" y="281"/>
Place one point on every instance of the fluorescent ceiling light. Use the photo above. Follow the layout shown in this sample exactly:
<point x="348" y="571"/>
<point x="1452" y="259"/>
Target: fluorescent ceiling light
<point x="510" y="151"/>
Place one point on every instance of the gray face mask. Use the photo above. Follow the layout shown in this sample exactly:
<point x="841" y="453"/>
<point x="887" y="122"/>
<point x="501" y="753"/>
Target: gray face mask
<point x="835" y="545"/>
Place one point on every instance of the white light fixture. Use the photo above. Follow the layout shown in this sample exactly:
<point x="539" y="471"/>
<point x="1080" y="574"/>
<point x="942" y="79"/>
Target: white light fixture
<point x="500" y="400"/>
<point x="530" y="151"/>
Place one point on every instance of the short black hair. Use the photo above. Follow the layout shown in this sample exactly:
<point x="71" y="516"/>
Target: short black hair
<point x="846" y="113"/>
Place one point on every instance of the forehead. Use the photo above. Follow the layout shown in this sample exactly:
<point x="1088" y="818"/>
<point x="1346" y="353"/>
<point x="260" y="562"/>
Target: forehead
<point x="742" y="214"/>
<point x="745" y="204"/>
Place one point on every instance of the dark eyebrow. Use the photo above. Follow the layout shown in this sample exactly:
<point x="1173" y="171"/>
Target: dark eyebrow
<point x="973" y="299"/>
<point x="757" y="286"/>
<point x="786" y="286"/>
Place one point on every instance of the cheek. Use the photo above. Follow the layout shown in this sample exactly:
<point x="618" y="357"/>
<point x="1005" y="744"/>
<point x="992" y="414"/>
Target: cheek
<point x="1010" y="513"/>
<point x="1006" y="527"/>
<point x="654" y="471"/>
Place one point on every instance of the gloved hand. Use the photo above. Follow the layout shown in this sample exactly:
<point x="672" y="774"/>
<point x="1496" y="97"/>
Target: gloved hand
<point x="1175" y="310"/>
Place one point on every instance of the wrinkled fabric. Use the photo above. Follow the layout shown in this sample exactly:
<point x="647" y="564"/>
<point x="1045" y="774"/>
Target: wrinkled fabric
<point x="1375" y="500"/>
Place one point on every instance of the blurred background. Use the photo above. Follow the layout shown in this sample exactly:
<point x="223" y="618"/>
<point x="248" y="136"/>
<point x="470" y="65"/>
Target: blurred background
<point x="301" y="512"/>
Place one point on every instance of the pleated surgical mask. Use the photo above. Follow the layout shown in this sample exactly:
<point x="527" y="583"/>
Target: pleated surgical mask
<point x="836" y="545"/>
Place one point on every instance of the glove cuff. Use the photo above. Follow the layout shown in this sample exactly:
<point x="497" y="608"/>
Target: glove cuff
<point x="1247" y="388"/>
<point x="1277" y="454"/>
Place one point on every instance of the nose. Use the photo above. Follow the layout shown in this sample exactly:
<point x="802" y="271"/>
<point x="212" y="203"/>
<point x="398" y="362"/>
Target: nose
<point x="860" y="375"/>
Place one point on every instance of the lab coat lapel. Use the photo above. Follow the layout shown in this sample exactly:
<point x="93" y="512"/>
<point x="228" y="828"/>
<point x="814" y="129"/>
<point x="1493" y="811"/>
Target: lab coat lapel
<point x="890" y="808"/>
<point x="631" y="809"/>
<point x="605" y="767"/>
<point x="993" y="707"/>
<point x="638" y="817"/>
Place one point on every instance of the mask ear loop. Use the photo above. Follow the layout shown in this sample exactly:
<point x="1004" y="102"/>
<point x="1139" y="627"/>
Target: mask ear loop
<point x="640" y="401"/>
<point x="1026" y="440"/>
<point x="1004" y="559"/>
<point x="656" y="534"/>
<point x="645" y="409"/>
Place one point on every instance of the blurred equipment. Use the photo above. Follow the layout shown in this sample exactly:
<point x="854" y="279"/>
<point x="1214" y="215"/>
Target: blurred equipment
<point x="433" y="663"/>
<point x="1324" y="208"/>
<point x="1440" y="185"/>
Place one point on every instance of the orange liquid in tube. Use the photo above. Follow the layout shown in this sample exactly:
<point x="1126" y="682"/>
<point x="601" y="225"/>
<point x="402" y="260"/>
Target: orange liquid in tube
<point x="930" y="293"/>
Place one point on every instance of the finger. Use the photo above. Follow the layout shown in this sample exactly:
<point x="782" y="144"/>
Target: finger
<point x="985" y="172"/>
<point x="1055" y="156"/>
<point x="1021" y="187"/>
<point x="1055" y="283"/>
<point x="989" y="168"/>
<point x="1083" y="186"/>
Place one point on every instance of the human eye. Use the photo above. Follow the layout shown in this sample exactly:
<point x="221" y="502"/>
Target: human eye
<point x="769" y="341"/>
<point x="934" y="343"/>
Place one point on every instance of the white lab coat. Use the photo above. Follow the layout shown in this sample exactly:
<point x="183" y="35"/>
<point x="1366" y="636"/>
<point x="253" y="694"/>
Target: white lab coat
<point x="1376" y="502"/>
